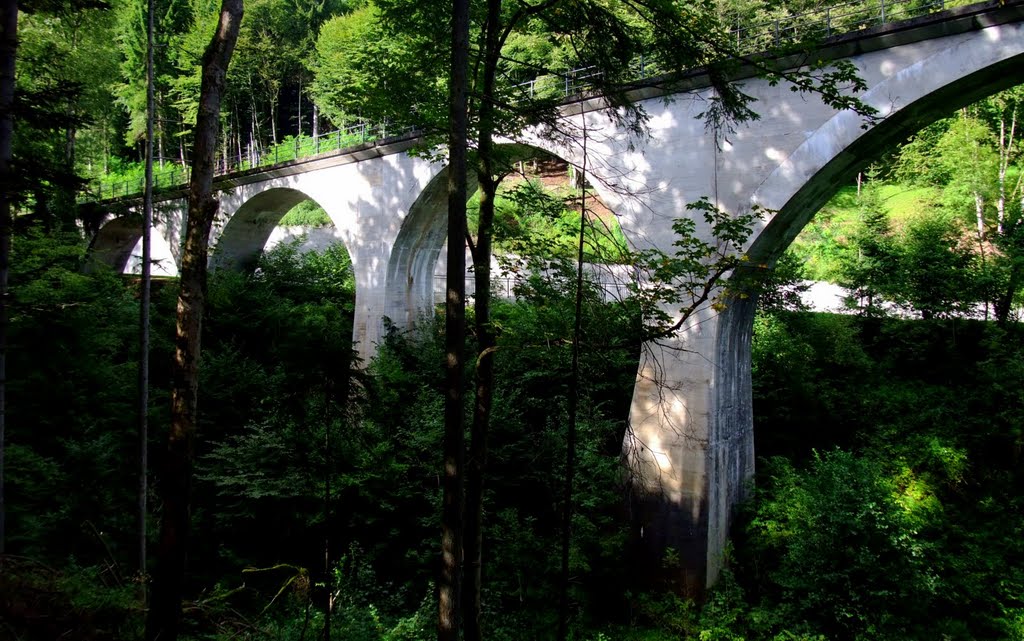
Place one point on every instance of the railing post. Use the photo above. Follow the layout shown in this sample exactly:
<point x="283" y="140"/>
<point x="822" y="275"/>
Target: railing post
<point x="882" y="4"/>
<point x="296" y="147"/>
<point x="828" y="22"/>
<point x="777" y="33"/>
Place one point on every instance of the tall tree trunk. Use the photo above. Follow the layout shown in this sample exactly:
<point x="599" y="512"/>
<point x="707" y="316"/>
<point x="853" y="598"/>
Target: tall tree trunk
<point x="979" y="220"/>
<point x="238" y="139"/>
<point x="328" y="585"/>
<point x="1005" y="154"/>
<point x="8" y="51"/>
<point x="455" y="330"/>
<point x="226" y="148"/>
<point x="64" y="208"/>
<point x="147" y="225"/>
<point x="70" y="134"/>
<point x="484" y="375"/>
<point x="106" y="147"/>
<point x="176" y="481"/>
<point x="254" y="134"/>
<point x="573" y="408"/>
<point x="1005" y="303"/>
<point x="66" y="196"/>
<point x="160" y="135"/>
<point x="273" y="119"/>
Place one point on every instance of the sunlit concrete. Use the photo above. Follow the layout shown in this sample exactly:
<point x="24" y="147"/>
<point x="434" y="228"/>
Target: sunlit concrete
<point x="691" y="440"/>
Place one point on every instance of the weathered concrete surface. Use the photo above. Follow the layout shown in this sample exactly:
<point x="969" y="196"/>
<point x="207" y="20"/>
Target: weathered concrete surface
<point x="691" y="440"/>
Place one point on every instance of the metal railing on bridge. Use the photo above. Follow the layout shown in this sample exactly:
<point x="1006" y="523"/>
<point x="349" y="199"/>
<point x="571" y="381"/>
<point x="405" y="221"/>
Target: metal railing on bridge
<point x="818" y="24"/>
<point x="813" y="25"/>
<point x="290" y="149"/>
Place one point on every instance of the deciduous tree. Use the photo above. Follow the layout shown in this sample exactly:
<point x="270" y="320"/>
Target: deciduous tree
<point x="164" y="617"/>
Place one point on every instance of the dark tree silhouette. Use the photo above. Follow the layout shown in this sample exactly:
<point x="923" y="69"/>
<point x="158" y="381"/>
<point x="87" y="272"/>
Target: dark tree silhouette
<point x="176" y="480"/>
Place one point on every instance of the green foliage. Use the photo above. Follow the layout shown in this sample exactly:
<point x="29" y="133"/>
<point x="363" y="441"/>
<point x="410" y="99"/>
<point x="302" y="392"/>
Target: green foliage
<point x="929" y="432"/>
<point x="523" y="491"/>
<point x="781" y="287"/>
<point x="89" y="603"/>
<point x="841" y="549"/>
<point x="869" y="264"/>
<point x="364" y="70"/>
<point x="907" y="532"/>
<point x="295" y="147"/>
<point x="539" y="223"/>
<point x="279" y="405"/>
<point x="306" y="214"/>
<point x="65" y="66"/>
<point x="685" y="281"/>
<point x="71" y="357"/>
<point x="952" y="220"/>
<point x="939" y="275"/>
<point x="173" y="19"/>
<point x="124" y="178"/>
<point x="925" y="267"/>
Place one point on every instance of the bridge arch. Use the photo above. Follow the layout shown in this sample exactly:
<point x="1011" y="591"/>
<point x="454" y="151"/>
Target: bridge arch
<point x="113" y="244"/>
<point x="118" y="245"/>
<point x="249" y="228"/>
<point x="694" y="400"/>
<point x="423" y="232"/>
<point x="409" y="280"/>
<point x="796" y="189"/>
<point x="908" y="101"/>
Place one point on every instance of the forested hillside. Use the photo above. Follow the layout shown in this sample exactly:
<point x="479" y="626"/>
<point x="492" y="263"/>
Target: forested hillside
<point x="931" y="227"/>
<point x="889" y="498"/>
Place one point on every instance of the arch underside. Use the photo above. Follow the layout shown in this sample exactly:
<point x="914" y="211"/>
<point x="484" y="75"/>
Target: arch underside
<point x="118" y="245"/>
<point x="806" y="200"/>
<point x="731" y="421"/>
<point x="115" y="242"/>
<point x="240" y="243"/>
<point x="413" y="264"/>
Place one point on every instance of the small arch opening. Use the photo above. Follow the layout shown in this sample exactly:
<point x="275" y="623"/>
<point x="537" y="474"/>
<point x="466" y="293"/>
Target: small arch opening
<point x="271" y="219"/>
<point x="118" y="245"/>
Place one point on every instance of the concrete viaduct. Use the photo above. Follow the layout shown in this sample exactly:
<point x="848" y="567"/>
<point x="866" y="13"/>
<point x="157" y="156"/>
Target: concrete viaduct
<point x="691" y="443"/>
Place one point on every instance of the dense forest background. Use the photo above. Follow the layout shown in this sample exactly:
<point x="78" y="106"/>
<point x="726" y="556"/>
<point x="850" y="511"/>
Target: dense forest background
<point x="888" y="503"/>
